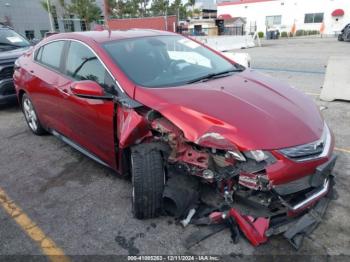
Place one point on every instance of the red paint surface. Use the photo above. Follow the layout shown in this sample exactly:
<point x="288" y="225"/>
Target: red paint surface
<point x="338" y="12"/>
<point x="131" y="127"/>
<point x="254" y="230"/>
<point x="251" y="111"/>
<point x="225" y="16"/>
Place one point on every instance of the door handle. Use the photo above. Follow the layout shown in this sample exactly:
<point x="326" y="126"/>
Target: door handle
<point x="63" y="91"/>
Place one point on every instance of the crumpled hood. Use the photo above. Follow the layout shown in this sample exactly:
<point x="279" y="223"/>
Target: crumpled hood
<point x="249" y="109"/>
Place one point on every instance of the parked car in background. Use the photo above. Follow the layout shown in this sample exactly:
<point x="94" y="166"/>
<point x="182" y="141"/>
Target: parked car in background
<point x="345" y="33"/>
<point x="160" y="106"/>
<point x="12" y="45"/>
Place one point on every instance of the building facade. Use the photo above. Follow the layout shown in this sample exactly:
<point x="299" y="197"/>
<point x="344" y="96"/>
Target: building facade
<point x="30" y="19"/>
<point x="326" y="16"/>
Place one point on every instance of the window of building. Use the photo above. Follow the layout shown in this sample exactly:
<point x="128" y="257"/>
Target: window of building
<point x="55" y="17"/>
<point x="29" y="34"/>
<point x="313" y="18"/>
<point x="50" y="54"/>
<point x="69" y="23"/>
<point x="273" y="20"/>
<point x="83" y="25"/>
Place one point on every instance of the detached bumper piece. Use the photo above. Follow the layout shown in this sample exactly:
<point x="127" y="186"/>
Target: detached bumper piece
<point x="257" y="230"/>
<point x="296" y="229"/>
<point x="253" y="229"/>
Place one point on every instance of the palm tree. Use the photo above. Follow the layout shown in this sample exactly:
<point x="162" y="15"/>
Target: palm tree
<point x="87" y="10"/>
<point x="191" y="3"/>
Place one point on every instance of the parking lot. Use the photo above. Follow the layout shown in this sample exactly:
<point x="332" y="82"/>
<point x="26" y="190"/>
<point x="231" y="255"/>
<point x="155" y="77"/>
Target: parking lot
<point x="85" y="209"/>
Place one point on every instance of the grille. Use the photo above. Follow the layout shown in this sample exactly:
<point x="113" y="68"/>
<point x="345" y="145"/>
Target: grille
<point x="309" y="151"/>
<point x="6" y="72"/>
<point x="293" y="186"/>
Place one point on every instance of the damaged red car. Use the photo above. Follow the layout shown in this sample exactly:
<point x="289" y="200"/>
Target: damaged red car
<point x="181" y="118"/>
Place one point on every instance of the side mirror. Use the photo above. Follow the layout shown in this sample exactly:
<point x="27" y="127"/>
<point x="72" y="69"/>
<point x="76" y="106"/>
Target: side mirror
<point x="89" y="89"/>
<point x="34" y="41"/>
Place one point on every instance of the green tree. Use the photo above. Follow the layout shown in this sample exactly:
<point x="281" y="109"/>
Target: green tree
<point x="132" y="8"/>
<point x="45" y="6"/>
<point x="128" y="8"/>
<point x="143" y="7"/>
<point x="191" y="3"/>
<point x="160" y="7"/>
<point x="86" y="10"/>
<point x="178" y="9"/>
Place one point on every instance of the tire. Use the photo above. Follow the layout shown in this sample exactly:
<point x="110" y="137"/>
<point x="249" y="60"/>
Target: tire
<point x="340" y="38"/>
<point x="31" y="116"/>
<point x="148" y="179"/>
<point x="347" y="37"/>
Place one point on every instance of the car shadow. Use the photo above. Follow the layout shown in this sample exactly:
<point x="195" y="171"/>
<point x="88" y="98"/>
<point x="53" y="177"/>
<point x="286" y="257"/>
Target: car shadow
<point x="10" y="107"/>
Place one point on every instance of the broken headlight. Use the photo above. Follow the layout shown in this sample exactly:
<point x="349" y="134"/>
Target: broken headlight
<point x="260" y="155"/>
<point x="235" y="154"/>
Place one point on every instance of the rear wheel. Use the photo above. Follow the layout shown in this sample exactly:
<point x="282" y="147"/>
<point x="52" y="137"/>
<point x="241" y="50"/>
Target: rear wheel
<point x="148" y="179"/>
<point x="31" y="116"/>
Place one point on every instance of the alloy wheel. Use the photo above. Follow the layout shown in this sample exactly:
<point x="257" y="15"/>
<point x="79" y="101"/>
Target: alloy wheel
<point x="30" y="114"/>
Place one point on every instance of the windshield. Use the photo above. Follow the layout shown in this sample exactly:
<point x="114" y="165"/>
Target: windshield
<point x="9" y="39"/>
<point x="166" y="60"/>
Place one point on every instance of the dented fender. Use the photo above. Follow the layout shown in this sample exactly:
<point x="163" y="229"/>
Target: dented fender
<point x="132" y="128"/>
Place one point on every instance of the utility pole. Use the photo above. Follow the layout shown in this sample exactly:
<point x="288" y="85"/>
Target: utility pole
<point x="106" y="12"/>
<point x="50" y="15"/>
<point x="166" y="16"/>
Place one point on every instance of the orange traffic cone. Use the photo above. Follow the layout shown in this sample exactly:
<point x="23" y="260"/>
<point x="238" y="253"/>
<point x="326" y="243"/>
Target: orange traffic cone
<point x="293" y="30"/>
<point x="322" y="28"/>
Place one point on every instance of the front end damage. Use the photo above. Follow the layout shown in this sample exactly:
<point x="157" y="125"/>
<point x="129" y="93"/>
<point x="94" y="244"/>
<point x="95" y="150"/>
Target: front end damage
<point x="210" y="181"/>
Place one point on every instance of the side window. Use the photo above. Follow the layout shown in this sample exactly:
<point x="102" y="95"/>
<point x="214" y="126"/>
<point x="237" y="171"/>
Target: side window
<point x="50" y="54"/>
<point x="82" y="64"/>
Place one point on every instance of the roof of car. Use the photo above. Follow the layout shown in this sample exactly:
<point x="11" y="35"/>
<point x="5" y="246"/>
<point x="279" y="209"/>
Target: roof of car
<point x="106" y="35"/>
<point x="5" y="27"/>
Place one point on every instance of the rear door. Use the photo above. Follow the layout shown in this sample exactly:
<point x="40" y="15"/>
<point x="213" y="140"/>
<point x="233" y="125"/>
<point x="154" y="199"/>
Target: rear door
<point x="43" y="82"/>
<point x="90" y="121"/>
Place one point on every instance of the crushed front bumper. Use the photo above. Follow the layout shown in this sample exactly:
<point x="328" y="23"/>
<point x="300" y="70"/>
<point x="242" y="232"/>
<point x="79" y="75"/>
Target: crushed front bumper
<point x="258" y="230"/>
<point x="294" y="230"/>
<point x="296" y="221"/>
<point x="321" y="182"/>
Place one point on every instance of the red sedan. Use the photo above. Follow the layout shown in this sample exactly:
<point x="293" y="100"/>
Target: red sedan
<point x="157" y="106"/>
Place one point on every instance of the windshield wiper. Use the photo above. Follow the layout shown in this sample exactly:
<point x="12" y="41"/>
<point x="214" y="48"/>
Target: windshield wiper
<point x="213" y="76"/>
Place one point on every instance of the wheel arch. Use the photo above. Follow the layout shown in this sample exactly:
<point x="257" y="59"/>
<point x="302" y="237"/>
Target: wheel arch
<point x="21" y="92"/>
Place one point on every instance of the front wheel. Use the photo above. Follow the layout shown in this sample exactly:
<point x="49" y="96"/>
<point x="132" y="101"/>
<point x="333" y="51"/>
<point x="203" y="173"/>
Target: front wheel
<point x="148" y="179"/>
<point x="31" y="116"/>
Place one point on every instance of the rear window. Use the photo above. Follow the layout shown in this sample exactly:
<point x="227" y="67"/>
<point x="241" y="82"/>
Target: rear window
<point x="50" y="54"/>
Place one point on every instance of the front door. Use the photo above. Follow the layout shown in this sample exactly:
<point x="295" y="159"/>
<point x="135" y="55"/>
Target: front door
<point x="91" y="121"/>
